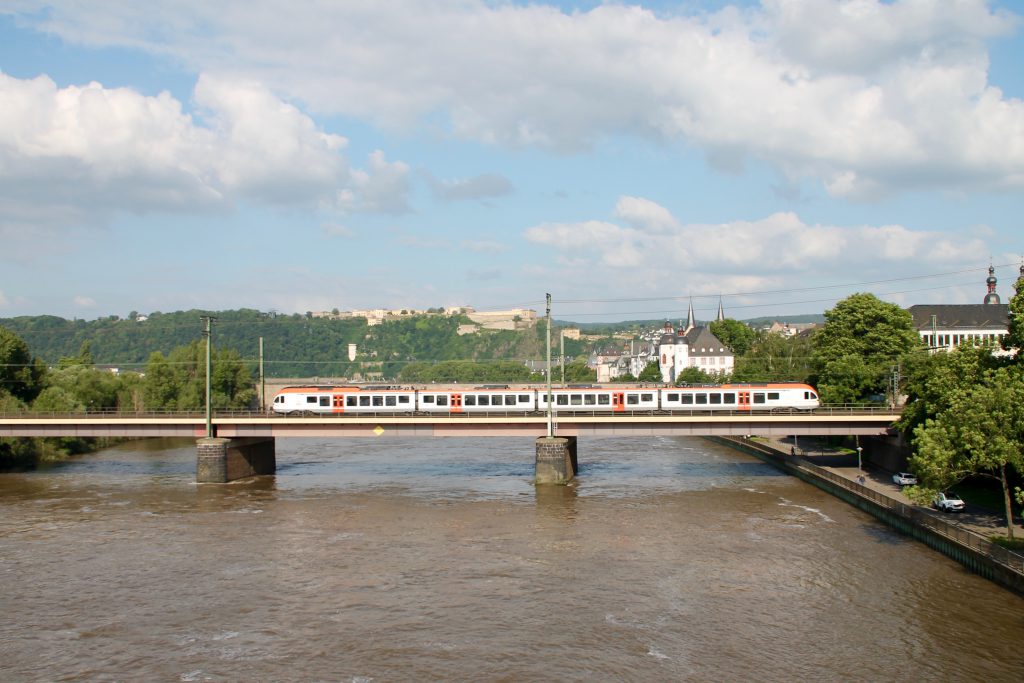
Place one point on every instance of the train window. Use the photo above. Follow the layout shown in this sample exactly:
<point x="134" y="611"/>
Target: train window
<point x="524" y="398"/>
<point x="442" y="400"/>
<point x="378" y="400"/>
<point x="469" y="400"/>
<point x="325" y="401"/>
<point x="759" y="397"/>
<point x="633" y="399"/>
<point x="773" y="396"/>
<point x="647" y="397"/>
<point x="672" y="397"/>
<point x="364" y="401"/>
<point x="716" y="399"/>
<point x="729" y="397"/>
<point x="390" y="401"/>
<point x="350" y="401"/>
<point x="589" y="400"/>
<point x="603" y="399"/>
<point x="403" y="399"/>
<point x="311" y="399"/>
<point x="510" y="399"/>
<point x="702" y="399"/>
<point x="562" y="400"/>
<point x="483" y="400"/>
<point x="428" y="399"/>
<point x="686" y="399"/>
<point x="576" y="399"/>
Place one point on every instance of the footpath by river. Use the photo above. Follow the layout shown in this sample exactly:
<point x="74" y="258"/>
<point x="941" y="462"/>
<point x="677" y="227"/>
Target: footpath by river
<point x="979" y="520"/>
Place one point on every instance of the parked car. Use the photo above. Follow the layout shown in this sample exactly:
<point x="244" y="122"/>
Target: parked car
<point x="948" y="502"/>
<point x="904" y="479"/>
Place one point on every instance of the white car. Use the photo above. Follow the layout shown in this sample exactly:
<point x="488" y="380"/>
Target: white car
<point x="948" y="502"/>
<point x="904" y="479"/>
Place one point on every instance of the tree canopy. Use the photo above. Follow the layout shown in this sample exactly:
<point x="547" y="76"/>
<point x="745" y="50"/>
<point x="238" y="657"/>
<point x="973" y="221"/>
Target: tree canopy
<point x="855" y="351"/>
<point x="734" y="334"/>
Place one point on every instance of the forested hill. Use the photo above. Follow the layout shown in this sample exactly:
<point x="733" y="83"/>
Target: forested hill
<point x="293" y="346"/>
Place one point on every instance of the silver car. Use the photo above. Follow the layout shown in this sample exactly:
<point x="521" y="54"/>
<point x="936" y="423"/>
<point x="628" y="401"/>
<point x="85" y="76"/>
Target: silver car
<point x="904" y="479"/>
<point x="948" y="502"/>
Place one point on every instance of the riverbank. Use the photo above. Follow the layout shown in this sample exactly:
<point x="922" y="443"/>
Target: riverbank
<point x="965" y="539"/>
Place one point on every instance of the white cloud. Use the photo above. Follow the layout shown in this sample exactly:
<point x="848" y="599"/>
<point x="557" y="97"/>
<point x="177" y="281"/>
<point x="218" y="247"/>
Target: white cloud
<point x="484" y="246"/>
<point x="778" y="251"/>
<point x="84" y="302"/>
<point x="77" y="155"/>
<point x="868" y="96"/>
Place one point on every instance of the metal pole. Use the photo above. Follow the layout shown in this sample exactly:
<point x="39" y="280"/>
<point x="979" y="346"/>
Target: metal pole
<point x="551" y="419"/>
<point x="263" y="381"/>
<point x="561" y="354"/>
<point x="209" y="414"/>
<point x="859" y="449"/>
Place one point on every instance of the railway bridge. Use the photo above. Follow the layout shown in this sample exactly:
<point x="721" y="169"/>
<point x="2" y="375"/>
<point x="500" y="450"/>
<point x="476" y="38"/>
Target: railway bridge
<point x="242" y="443"/>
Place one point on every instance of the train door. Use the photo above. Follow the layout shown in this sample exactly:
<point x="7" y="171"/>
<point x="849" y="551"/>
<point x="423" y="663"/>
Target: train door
<point x="338" y="403"/>
<point x="456" y="403"/>
<point x="744" y="401"/>
<point x="618" y="402"/>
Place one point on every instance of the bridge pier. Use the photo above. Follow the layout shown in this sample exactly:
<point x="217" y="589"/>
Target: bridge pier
<point x="556" y="462"/>
<point x="219" y="461"/>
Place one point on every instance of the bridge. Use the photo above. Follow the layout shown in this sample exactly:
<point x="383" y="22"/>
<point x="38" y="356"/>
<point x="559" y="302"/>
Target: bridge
<point x="243" y="442"/>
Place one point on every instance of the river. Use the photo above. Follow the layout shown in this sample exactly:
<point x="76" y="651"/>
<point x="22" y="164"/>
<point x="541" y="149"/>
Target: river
<point x="438" y="560"/>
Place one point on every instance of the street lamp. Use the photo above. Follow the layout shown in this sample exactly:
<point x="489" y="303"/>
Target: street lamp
<point x="859" y="449"/>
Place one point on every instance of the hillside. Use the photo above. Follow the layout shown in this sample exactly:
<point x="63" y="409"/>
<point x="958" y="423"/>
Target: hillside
<point x="293" y="346"/>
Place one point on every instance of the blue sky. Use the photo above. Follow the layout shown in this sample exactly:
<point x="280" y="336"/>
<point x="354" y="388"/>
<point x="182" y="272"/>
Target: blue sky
<point x="301" y="156"/>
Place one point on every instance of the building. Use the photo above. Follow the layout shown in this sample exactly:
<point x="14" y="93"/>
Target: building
<point x="944" y="327"/>
<point x="693" y="347"/>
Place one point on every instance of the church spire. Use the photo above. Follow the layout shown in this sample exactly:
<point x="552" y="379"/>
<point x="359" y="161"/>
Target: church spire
<point x="991" y="297"/>
<point x="721" y="310"/>
<point x="690" y="321"/>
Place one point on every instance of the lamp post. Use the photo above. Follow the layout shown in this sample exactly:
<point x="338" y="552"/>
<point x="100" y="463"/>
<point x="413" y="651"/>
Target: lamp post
<point x="859" y="450"/>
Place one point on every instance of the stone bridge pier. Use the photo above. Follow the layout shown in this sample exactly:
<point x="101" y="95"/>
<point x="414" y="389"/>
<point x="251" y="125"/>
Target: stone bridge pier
<point x="219" y="461"/>
<point x="556" y="460"/>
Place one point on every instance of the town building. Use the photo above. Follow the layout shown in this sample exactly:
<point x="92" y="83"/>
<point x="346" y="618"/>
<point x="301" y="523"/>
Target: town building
<point x="693" y="347"/>
<point x="944" y="327"/>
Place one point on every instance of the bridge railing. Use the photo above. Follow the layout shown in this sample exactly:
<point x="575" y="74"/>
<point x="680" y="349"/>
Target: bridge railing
<point x="828" y="411"/>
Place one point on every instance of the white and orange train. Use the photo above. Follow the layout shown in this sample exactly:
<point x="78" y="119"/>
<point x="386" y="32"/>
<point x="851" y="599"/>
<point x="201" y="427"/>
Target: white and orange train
<point x="344" y="400"/>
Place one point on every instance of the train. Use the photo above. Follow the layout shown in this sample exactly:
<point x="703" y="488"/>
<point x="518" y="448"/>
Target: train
<point x="490" y="399"/>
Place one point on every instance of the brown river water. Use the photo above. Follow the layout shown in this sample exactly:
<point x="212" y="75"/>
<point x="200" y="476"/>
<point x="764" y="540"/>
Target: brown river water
<point x="668" y="559"/>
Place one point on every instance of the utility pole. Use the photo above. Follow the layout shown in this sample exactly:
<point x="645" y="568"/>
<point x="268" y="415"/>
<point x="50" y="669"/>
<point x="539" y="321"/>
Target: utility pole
<point x="263" y="381"/>
<point x="561" y="354"/>
<point x="551" y="420"/>
<point x="209" y="414"/>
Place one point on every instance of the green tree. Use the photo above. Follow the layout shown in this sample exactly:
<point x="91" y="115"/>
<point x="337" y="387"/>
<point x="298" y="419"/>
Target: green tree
<point x="1015" y="336"/>
<point x="734" y="334"/>
<point x="696" y="376"/>
<point x="577" y="372"/>
<point x="775" y="358"/>
<point x="651" y="373"/>
<point x="934" y="381"/>
<point x="20" y="374"/>
<point x="981" y="433"/>
<point x="863" y="337"/>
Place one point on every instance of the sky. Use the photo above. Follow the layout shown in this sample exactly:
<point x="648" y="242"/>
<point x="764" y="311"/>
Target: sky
<point x="627" y="158"/>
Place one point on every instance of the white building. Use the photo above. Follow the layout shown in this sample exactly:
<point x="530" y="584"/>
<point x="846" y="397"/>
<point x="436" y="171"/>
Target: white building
<point x="944" y="327"/>
<point x="693" y="347"/>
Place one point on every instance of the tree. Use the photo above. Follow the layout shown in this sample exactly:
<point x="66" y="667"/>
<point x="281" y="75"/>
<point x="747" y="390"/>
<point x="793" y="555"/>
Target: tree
<point x="1014" y="338"/>
<point x="696" y="376"/>
<point x="734" y="334"/>
<point x="981" y="433"/>
<point x="20" y="374"/>
<point x="934" y="381"/>
<point x="775" y="358"/>
<point x="651" y="373"/>
<point x="863" y="337"/>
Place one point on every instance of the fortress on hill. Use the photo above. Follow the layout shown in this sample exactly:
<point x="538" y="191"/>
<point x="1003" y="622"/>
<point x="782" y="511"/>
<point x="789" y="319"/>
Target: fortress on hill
<point x="514" y="319"/>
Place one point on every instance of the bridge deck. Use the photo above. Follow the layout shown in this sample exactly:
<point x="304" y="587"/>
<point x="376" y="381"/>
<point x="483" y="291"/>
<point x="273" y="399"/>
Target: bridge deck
<point x="821" y="422"/>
